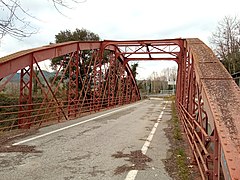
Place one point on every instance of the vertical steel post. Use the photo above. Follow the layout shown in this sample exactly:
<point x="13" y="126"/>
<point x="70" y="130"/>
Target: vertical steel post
<point x="216" y="156"/>
<point x="97" y="73"/>
<point x="73" y="85"/>
<point x="128" y="89"/>
<point x="25" y="98"/>
<point x="112" y="80"/>
<point x="121" y="85"/>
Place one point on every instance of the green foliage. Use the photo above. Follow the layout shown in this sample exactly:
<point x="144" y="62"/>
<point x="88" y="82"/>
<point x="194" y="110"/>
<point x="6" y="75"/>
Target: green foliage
<point x="171" y="98"/>
<point x="77" y="35"/>
<point x="182" y="164"/>
<point x="134" y="69"/>
<point x="84" y="63"/>
<point x="177" y="131"/>
<point x="181" y="160"/>
<point x="6" y="100"/>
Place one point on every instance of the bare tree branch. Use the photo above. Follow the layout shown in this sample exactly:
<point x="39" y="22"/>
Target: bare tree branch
<point x="226" y="43"/>
<point x="11" y="23"/>
<point x="18" y="27"/>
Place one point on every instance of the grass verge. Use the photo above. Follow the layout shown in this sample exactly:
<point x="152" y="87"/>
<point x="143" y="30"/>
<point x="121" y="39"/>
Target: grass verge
<point x="177" y="163"/>
<point x="182" y="164"/>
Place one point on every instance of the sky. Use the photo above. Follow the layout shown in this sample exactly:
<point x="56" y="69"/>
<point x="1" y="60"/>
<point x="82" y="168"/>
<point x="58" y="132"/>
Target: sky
<point x="123" y="20"/>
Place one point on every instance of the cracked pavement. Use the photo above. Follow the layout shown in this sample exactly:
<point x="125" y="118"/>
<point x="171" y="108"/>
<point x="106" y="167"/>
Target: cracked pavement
<point x="85" y="151"/>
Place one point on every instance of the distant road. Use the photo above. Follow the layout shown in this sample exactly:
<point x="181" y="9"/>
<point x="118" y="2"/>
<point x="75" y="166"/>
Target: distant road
<point x="125" y="143"/>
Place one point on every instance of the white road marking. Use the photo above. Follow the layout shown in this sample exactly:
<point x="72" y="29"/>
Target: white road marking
<point x="133" y="173"/>
<point x="72" y="125"/>
<point x="153" y="98"/>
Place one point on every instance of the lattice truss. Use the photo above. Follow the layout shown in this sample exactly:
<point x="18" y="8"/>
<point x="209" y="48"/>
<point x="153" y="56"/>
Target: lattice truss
<point x="84" y="81"/>
<point x="149" y="51"/>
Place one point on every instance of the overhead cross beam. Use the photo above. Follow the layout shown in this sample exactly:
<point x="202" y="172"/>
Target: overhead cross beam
<point x="148" y="50"/>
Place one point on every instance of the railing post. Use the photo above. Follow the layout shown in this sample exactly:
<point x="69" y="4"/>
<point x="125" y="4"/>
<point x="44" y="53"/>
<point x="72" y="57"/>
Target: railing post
<point x="97" y="76"/>
<point x="73" y="85"/>
<point x="25" y="97"/>
<point x="216" y="156"/>
<point x="112" y="80"/>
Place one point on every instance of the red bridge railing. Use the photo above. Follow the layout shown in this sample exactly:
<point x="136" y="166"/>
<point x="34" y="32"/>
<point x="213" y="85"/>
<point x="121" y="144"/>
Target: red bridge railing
<point x="87" y="79"/>
<point x="209" y="105"/>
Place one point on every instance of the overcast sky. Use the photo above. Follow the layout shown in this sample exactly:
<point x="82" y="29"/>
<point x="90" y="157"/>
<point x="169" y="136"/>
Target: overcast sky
<point x="124" y="20"/>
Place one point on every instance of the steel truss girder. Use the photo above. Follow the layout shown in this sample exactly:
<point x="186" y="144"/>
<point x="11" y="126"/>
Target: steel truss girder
<point x="25" y="97"/>
<point x="97" y="92"/>
<point x="112" y="80"/>
<point x="147" y="50"/>
<point x="201" y="110"/>
<point x="73" y="84"/>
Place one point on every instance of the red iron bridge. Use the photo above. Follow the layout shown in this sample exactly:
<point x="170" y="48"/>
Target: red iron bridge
<point x="97" y="76"/>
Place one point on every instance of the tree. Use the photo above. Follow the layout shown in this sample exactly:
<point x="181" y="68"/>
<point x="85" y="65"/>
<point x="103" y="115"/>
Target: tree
<point x="84" y="60"/>
<point x="226" y="42"/>
<point x="77" y="35"/>
<point x="13" y="20"/>
<point x="134" y="69"/>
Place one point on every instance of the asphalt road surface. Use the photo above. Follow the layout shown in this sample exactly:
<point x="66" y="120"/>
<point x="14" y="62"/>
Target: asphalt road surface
<point x="125" y="143"/>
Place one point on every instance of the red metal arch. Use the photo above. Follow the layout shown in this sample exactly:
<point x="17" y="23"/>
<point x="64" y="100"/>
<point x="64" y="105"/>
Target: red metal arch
<point x="83" y="94"/>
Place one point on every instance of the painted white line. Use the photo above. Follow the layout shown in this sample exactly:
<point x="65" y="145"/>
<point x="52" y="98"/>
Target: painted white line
<point x="152" y="98"/>
<point x="72" y="125"/>
<point x="133" y="173"/>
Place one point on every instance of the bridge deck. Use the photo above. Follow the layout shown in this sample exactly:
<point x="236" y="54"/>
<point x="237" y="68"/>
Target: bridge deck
<point x="87" y="148"/>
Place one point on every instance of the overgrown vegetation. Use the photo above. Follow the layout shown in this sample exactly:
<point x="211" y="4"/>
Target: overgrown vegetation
<point x="177" y="163"/>
<point x="169" y="98"/>
<point x="180" y="153"/>
<point x="6" y="100"/>
<point x="9" y="110"/>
